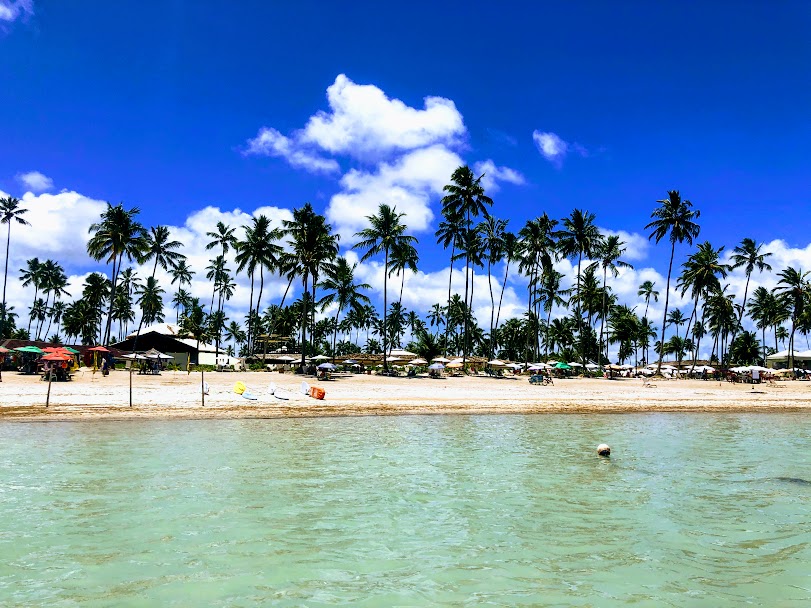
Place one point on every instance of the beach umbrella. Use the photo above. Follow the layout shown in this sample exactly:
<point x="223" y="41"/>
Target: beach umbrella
<point x="329" y="366"/>
<point x="574" y="364"/>
<point x="436" y="366"/>
<point x="350" y="362"/>
<point x="551" y="362"/>
<point x="454" y="364"/>
<point x="591" y="366"/>
<point x="536" y="367"/>
<point x="285" y="358"/>
<point x="440" y="360"/>
<point x="29" y="349"/>
<point x="319" y="358"/>
<point x="562" y="365"/>
<point x="496" y="363"/>
<point x="403" y="354"/>
<point x="134" y="356"/>
<point x="56" y="356"/>
<point x="98" y="349"/>
<point x="418" y="361"/>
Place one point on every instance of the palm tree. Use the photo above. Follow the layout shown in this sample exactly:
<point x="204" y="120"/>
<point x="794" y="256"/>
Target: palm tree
<point x="401" y="258"/>
<point x="151" y="301"/>
<point x="748" y="255"/>
<point x="181" y="273"/>
<point x="795" y="291"/>
<point x="493" y="233"/>
<point x="512" y="250"/>
<point x="674" y="218"/>
<point x="194" y="324"/>
<point x="550" y="295"/>
<point x="764" y="309"/>
<point x="10" y="212"/>
<point x="579" y="238"/>
<point x="385" y="233"/>
<point x="339" y="281"/>
<point x="224" y="238"/>
<point x="701" y="276"/>
<point x="450" y="233"/>
<point x="610" y="252"/>
<point x="465" y="199"/>
<point x="538" y="253"/>
<point x="116" y="236"/>
<point x="32" y="274"/>
<point x="181" y="298"/>
<point x="647" y="291"/>
<point x="312" y="248"/>
<point x="234" y="332"/>
<point x="677" y="319"/>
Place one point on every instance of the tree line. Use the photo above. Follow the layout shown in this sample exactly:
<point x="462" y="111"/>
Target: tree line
<point x="305" y="251"/>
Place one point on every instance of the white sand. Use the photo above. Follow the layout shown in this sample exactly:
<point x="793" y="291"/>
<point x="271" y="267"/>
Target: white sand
<point x="177" y="395"/>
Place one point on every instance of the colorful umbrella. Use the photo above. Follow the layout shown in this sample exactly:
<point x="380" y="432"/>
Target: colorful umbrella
<point x="562" y="365"/>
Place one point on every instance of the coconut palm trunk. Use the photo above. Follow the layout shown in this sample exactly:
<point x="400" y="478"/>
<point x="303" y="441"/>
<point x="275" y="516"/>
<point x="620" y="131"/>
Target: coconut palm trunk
<point x="448" y="311"/>
<point x="667" y="301"/>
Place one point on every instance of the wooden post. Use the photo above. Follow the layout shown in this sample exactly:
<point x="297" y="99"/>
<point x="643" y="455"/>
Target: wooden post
<point x="131" y="366"/>
<point x="48" y="397"/>
<point x="203" y="385"/>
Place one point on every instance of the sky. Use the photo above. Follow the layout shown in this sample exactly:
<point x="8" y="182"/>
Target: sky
<point x="196" y="112"/>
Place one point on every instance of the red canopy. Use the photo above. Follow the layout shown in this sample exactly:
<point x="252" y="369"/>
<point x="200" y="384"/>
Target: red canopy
<point x="4" y="350"/>
<point x="99" y="349"/>
<point x="57" y="357"/>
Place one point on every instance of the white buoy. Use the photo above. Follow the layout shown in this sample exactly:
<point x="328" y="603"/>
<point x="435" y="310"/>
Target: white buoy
<point x="604" y="449"/>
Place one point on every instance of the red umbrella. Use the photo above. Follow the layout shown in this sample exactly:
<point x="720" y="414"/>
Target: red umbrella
<point x="4" y="350"/>
<point x="56" y="357"/>
<point x="99" y="349"/>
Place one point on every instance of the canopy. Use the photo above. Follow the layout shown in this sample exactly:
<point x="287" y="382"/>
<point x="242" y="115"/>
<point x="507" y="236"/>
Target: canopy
<point x="347" y="362"/>
<point x="134" y="356"/>
<point x="440" y="360"/>
<point x="783" y="355"/>
<point x="99" y="349"/>
<point x="418" y="361"/>
<point x="156" y="354"/>
<point x="574" y="364"/>
<point x="286" y="358"/>
<point x="537" y="367"/>
<point x="591" y="366"/>
<point x="562" y="365"/>
<point x="614" y="366"/>
<point x="29" y="349"/>
<point x="57" y="357"/>
<point x="319" y="358"/>
<point x="4" y="350"/>
<point x="496" y="363"/>
<point x="455" y="364"/>
<point x="327" y="366"/>
<point x="436" y="366"/>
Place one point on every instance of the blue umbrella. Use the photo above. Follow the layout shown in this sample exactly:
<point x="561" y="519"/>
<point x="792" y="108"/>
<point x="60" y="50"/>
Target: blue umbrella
<point x="436" y="366"/>
<point x="326" y="366"/>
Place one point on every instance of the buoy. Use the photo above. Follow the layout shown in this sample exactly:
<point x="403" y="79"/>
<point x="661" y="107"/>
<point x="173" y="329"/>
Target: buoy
<point x="603" y="449"/>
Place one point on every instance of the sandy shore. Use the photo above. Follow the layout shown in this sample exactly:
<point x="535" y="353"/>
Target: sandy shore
<point x="177" y="395"/>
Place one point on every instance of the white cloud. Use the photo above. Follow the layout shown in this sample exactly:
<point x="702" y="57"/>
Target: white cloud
<point x="269" y="142"/>
<point x="404" y="155"/>
<point x="636" y="245"/>
<point x="35" y="181"/>
<point x="12" y="9"/>
<point x="494" y="174"/>
<point x="409" y="183"/>
<point x="363" y="121"/>
<point x="554" y="149"/>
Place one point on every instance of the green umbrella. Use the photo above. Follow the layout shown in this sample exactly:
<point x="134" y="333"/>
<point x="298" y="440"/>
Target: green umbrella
<point x="70" y="350"/>
<point x="562" y="365"/>
<point x="29" y="349"/>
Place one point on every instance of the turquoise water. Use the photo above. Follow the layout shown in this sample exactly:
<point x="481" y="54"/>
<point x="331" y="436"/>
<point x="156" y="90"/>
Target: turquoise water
<point x="408" y="511"/>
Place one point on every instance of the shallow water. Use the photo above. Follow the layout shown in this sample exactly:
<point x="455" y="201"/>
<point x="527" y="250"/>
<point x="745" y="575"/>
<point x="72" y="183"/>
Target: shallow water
<point x="691" y="510"/>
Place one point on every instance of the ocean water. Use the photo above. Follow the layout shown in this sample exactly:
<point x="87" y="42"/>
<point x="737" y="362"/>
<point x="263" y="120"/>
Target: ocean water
<point x="690" y="510"/>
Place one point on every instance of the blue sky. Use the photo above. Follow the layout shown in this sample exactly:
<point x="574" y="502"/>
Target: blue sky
<point x="155" y="104"/>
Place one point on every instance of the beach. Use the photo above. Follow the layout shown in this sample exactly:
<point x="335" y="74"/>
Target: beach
<point x="177" y="395"/>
